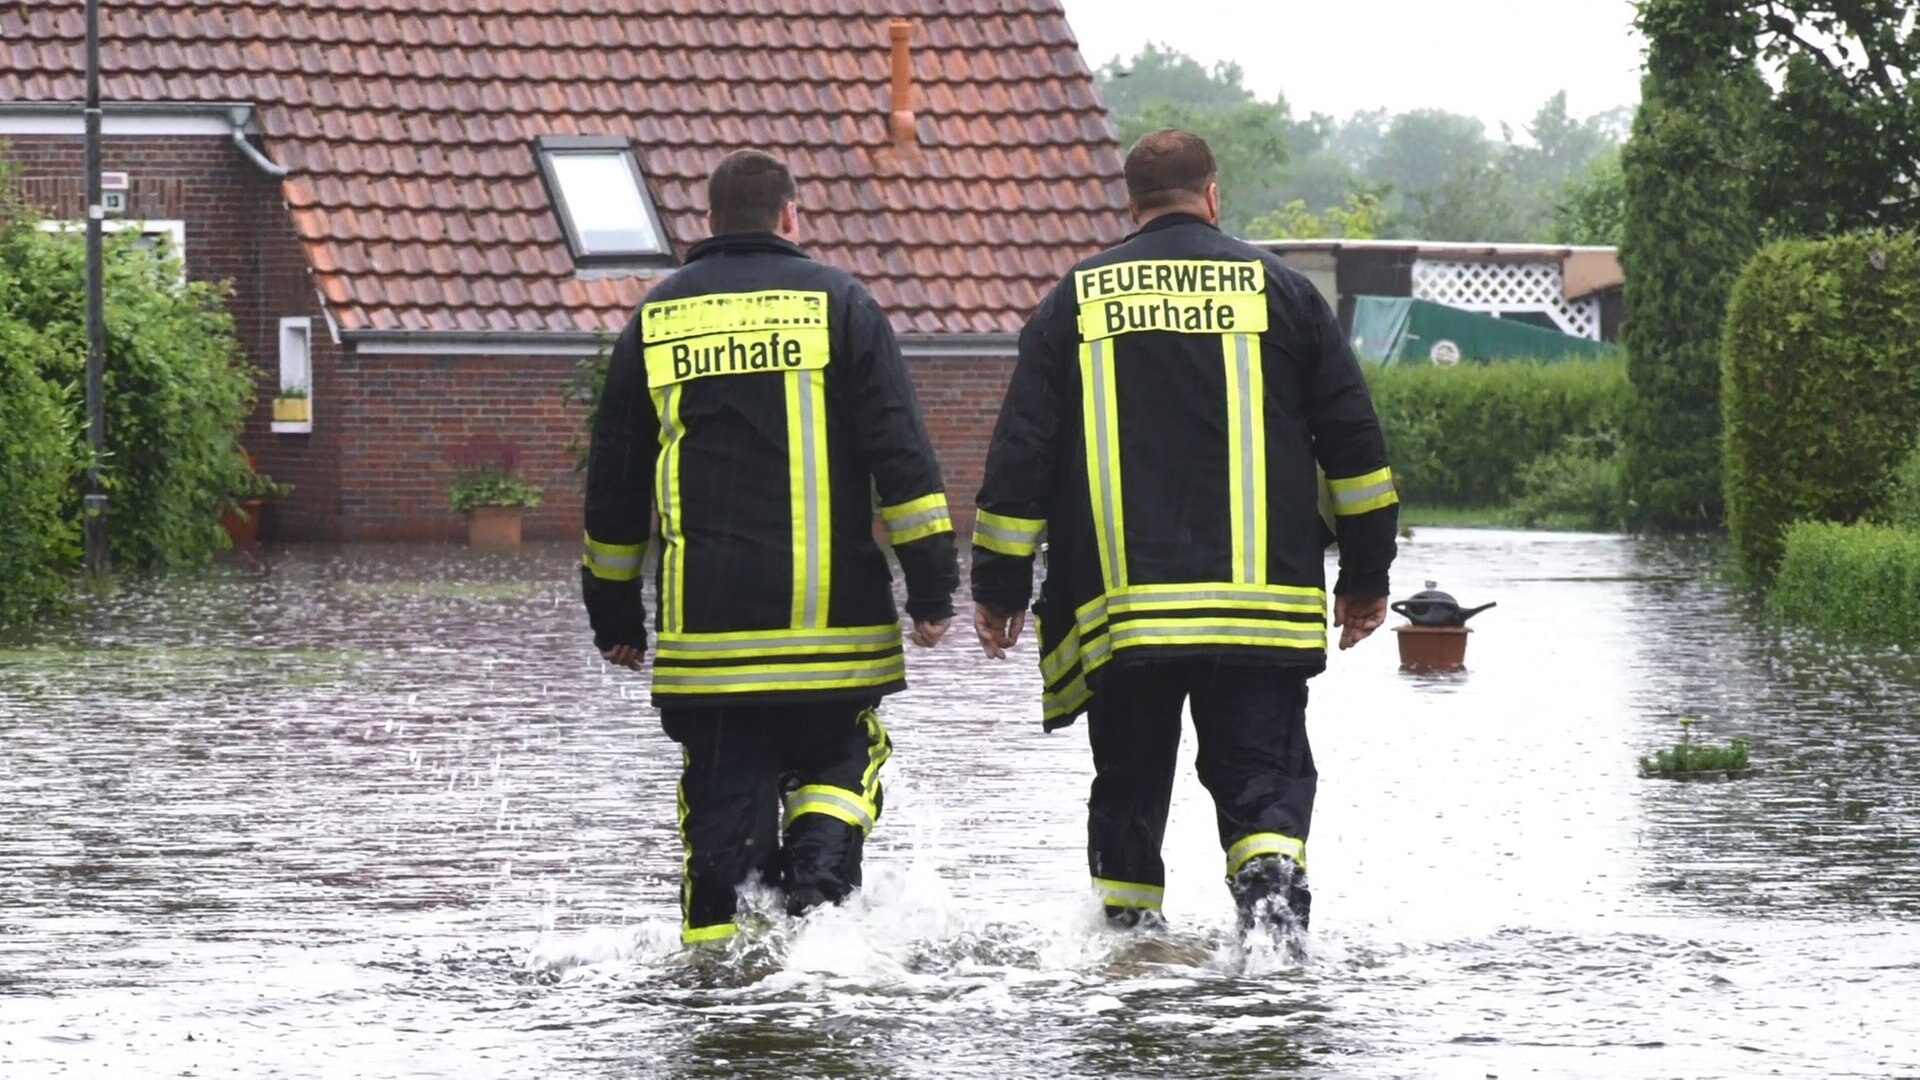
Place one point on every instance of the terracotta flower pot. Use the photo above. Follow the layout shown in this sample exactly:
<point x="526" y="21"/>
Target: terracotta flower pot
<point x="494" y="527"/>
<point x="1432" y="648"/>
<point x="243" y="525"/>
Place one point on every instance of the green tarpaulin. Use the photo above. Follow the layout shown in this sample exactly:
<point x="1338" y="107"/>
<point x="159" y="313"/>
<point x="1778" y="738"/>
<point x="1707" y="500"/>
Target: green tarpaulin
<point x="1396" y="330"/>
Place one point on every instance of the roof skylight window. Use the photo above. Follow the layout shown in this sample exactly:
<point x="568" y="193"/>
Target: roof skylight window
<point x="602" y="201"/>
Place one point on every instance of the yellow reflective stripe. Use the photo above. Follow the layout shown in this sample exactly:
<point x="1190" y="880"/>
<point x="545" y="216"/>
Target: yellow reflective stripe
<point x="717" y="313"/>
<point x="879" y="750"/>
<point x="1251" y="847"/>
<point x="1066" y="701"/>
<point x="1363" y="494"/>
<point x="1129" y="894"/>
<point x="707" y="935"/>
<point x="613" y="562"/>
<point x="666" y="486"/>
<point x="1211" y="594"/>
<point x="1100" y="405"/>
<point x="917" y="520"/>
<point x="1014" y="536"/>
<point x="766" y="678"/>
<point x="750" y="644"/>
<point x="810" y="497"/>
<point x="1246" y="457"/>
<point x="921" y="505"/>
<point x="849" y="806"/>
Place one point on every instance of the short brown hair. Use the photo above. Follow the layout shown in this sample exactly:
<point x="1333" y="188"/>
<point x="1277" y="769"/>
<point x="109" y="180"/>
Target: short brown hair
<point x="1166" y="166"/>
<point x="747" y="191"/>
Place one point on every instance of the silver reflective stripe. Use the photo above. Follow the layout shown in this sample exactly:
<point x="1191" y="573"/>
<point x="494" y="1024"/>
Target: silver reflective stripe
<point x="1121" y="894"/>
<point x="1097" y="613"/>
<point x="781" y="643"/>
<point x="1250" y="414"/>
<point x="1017" y="537"/>
<point x="672" y="529"/>
<point x="1121" y="635"/>
<point x="894" y="666"/>
<point x="807" y="802"/>
<point x="1258" y="844"/>
<point x="810" y="470"/>
<point x="1355" y="498"/>
<point x="614" y="562"/>
<point x="1105" y="450"/>
<point x="924" y="517"/>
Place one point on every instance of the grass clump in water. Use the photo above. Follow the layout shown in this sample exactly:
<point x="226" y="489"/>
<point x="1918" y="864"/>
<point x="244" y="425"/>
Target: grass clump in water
<point x="1689" y="758"/>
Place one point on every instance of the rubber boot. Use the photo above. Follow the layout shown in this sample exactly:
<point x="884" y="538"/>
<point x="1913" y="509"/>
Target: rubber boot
<point x="1271" y="893"/>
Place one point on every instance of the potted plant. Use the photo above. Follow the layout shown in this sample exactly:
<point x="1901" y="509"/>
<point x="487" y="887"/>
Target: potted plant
<point x="291" y="406"/>
<point x="240" y="515"/>
<point x="487" y="487"/>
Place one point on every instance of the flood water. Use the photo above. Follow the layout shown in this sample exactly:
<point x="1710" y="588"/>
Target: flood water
<point x="381" y="812"/>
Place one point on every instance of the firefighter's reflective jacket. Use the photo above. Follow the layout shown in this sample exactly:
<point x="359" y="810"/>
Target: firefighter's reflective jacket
<point x="1174" y="403"/>
<point x="757" y="405"/>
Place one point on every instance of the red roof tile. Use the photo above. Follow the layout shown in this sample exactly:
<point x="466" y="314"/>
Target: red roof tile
<point x="409" y="125"/>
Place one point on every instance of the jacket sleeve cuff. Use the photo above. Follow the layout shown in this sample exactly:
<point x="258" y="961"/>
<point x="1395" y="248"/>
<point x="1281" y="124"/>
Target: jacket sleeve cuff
<point x="616" y="611"/>
<point x="1364" y="585"/>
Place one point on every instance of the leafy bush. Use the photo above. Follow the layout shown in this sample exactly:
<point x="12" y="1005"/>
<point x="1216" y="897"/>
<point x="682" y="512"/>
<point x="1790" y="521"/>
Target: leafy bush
<point x="1688" y="757"/>
<point x="1463" y="436"/>
<point x="485" y="474"/>
<point x="1903" y="496"/>
<point x="1822" y="369"/>
<point x="1578" y="486"/>
<point x="39" y="456"/>
<point x="176" y="392"/>
<point x="1858" y="579"/>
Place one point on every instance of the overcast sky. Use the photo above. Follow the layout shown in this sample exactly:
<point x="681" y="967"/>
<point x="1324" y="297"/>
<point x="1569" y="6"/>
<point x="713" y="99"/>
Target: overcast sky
<point x="1495" y="59"/>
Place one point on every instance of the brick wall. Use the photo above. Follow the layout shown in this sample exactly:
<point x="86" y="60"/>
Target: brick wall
<point x="237" y="231"/>
<point x="400" y="416"/>
<point x="376" y="465"/>
<point x="960" y="397"/>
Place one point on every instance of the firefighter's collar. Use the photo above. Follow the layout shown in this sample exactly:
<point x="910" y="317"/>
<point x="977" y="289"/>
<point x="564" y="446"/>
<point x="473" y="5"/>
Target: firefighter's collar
<point x="1168" y="221"/>
<point x="747" y="243"/>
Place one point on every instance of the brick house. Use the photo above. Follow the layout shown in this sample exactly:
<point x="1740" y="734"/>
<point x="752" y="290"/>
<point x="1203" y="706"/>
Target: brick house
<point x="431" y="212"/>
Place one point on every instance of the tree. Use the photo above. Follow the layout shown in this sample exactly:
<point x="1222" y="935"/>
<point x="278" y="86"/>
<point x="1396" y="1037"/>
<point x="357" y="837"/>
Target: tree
<point x="1839" y="149"/>
<point x="1162" y="88"/>
<point x="1592" y="208"/>
<point x="1689" y="227"/>
<point x="1359" y="219"/>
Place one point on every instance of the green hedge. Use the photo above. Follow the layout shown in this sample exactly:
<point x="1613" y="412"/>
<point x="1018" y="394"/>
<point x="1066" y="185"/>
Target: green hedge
<point x="1822" y="386"/>
<point x="39" y="456"/>
<point x="1468" y="436"/>
<point x="1860" y="579"/>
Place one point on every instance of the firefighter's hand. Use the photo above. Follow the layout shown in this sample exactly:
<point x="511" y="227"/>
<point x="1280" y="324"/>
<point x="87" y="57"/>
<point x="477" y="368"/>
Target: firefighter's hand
<point x="928" y="634"/>
<point x="1358" y="618"/>
<point x="998" y="628"/>
<point x="626" y="656"/>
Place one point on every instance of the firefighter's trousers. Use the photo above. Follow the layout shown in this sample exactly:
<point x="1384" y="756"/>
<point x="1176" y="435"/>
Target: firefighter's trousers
<point x="787" y="792"/>
<point x="1253" y="759"/>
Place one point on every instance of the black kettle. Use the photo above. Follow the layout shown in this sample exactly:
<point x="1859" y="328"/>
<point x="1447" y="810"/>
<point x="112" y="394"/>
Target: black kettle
<point x="1437" y="609"/>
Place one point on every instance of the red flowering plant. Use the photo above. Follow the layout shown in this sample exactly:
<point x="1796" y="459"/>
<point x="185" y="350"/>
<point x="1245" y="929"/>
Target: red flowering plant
<point x="486" y="473"/>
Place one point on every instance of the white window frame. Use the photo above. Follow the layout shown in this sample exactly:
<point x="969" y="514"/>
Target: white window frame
<point x="173" y="229"/>
<point x="296" y="371"/>
<point x="547" y="147"/>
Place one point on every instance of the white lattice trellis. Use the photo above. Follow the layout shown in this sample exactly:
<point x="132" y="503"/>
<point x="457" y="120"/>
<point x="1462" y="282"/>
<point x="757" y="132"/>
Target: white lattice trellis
<point x="1506" y="289"/>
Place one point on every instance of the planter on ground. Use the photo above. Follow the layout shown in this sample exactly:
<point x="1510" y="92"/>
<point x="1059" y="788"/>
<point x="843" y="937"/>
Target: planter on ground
<point x="494" y="527"/>
<point x="1426" y="649"/>
<point x="242" y="523"/>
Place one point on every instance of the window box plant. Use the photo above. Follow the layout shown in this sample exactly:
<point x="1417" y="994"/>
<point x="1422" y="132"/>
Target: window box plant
<point x="292" y="406"/>
<point x="487" y="487"/>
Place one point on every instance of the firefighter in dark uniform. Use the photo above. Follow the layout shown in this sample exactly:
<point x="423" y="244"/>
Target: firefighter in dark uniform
<point x="1175" y="403"/>
<point x="758" y="408"/>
